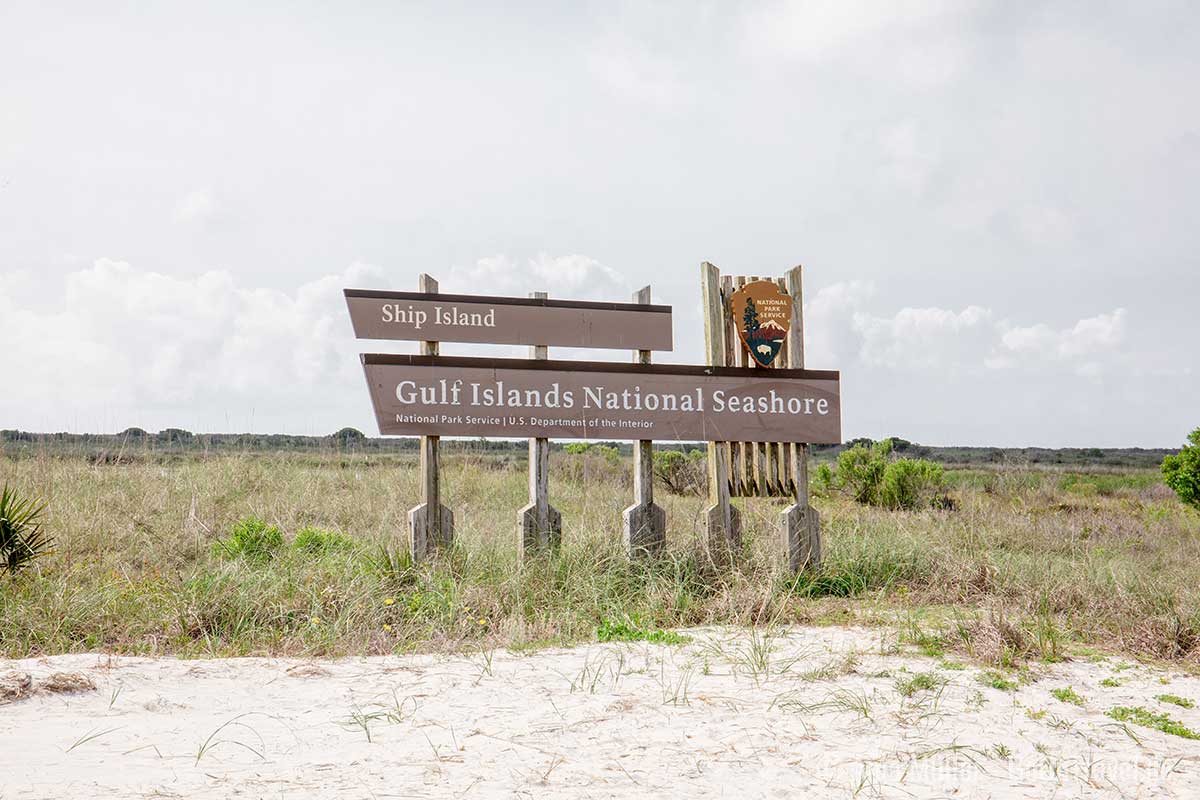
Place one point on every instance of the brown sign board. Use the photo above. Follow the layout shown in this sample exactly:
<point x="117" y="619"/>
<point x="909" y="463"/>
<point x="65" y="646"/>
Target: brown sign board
<point x="416" y="316"/>
<point x="477" y="397"/>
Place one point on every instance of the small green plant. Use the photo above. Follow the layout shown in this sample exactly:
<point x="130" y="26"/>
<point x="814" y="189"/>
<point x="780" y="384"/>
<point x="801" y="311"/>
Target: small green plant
<point x="921" y="682"/>
<point x="1175" y="700"/>
<point x="1182" y="471"/>
<point x="251" y="539"/>
<point x="1002" y="751"/>
<point x="22" y="537"/>
<point x="1149" y="719"/>
<point x="1067" y="694"/>
<point x="1110" y="683"/>
<point x="996" y="680"/>
<point x="624" y="631"/>
<point x="317" y="541"/>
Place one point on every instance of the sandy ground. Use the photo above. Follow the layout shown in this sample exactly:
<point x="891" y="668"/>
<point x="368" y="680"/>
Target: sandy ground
<point x="808" y="712"/>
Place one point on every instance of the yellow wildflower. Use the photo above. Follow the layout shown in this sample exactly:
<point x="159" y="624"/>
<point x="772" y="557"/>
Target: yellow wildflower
<point x="387" y="601"/>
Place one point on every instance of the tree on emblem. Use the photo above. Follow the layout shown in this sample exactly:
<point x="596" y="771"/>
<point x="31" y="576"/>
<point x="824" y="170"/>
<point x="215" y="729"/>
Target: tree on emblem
<point x="750" y="317"/>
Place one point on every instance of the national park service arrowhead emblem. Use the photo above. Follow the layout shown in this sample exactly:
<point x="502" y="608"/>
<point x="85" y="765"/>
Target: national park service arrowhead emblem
<point x="762" y="314"/>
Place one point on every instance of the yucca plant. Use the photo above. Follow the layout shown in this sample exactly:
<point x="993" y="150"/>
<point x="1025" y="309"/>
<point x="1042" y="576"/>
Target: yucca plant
<point x="22" y="538"/>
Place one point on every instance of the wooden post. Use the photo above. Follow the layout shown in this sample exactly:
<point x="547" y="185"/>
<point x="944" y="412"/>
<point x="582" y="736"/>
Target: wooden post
<point x="800" y="524"/>
<point x="645" y="523"/>
<point x="721" y="519"/>
<point x="430" y="524"/>
<point x="539" y="525"/>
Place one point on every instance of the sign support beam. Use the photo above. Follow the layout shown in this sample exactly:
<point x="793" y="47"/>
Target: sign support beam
<point x="430" y="524"/>
<point x="539" y="525"/>
<point x="721" y="519"/>
<point x="799" y="523"/>
<point x="645" y="530"/>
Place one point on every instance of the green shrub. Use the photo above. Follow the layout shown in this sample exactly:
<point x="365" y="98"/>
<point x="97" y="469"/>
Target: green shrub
<point x="1182" y="471"/>
<point x="251" y="538"/>
<point x="860" y="470"/>
<point x="680" y="473"/>
<point x="319" y="542"/>
<point x="577" y="448"/>
<point x="22" y="538"/>
<point x="865" y="472"/>
<point x="822" y="480"/>
<point x="911" y="483"/>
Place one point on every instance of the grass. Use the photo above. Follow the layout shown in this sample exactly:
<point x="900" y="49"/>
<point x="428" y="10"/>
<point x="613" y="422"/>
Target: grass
<point x="1150" y="719"/>
<point x="1175" y="700"/>
<point x="908" y="685"/>
<point x="148" y="561"/>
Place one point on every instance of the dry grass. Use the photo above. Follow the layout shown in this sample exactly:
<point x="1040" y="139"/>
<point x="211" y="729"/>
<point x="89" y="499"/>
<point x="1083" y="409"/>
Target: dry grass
<point x="1029" y="565"/>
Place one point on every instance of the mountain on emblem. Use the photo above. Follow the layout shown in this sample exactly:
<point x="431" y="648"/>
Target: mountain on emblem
<point x="762" y="314"/>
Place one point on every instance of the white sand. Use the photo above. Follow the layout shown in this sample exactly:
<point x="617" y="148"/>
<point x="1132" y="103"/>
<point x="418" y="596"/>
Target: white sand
<point x="630" y="720"/>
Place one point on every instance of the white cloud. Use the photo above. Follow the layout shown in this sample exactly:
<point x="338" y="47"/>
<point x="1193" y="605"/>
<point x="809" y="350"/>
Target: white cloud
<point x="925" y="338"/>
<point x="130" y="344"/>
<point x="842" y="331"/>
<point x="574" y="277"/>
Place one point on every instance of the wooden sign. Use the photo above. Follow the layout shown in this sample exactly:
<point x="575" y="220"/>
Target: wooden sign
<point x="418" y="316"/>
<point x="444" y="396"/>
<point x="762" y="316"/>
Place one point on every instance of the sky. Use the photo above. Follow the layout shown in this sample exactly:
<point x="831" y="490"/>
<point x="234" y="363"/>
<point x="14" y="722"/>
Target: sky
<point x="995" y="203"/>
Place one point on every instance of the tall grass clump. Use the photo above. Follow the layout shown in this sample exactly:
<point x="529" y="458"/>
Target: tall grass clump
<point x="252" y="539"/>
<point x="317" y="541"/>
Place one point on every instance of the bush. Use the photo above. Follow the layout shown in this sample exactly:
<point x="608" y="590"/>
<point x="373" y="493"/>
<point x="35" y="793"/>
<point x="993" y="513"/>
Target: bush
<point x="860" y="470"/>
<point x="680" y="473"/>
<point x="319" y="542"/>
<point x="251" y="538"/>
<point x="911" y="483"/>
<point x="22" y="538"/>
<point x="822" y="482"/>
<point x="865" y="472"/>
<point x="1182" y="471"/>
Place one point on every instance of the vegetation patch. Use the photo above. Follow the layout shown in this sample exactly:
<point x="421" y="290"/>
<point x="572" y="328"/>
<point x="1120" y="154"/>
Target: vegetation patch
<point x="1067" y="694"/>
<point x="316" y="541"/>
<point x="1149" y="719"/>
<point x="997" y="680"/>
<point x="907" y="686"/>
<point x="1175" y="700"/>
<point x="622" y="631"/>
<point x="252" y="539"/>
<point x="22" y="537"/>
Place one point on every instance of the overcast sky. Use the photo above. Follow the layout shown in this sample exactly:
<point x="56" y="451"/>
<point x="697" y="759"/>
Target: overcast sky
<point x="995" y="203"/>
